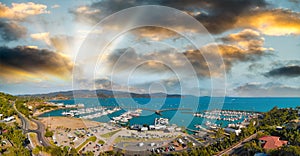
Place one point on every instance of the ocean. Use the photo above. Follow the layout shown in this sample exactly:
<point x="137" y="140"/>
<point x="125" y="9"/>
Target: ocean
<point x="180" y="117"/>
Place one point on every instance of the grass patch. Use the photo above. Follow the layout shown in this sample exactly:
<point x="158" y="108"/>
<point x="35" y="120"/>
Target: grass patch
<point x="101" y="142"/>
<point x="33" y="138"/>
<point x="92" y="139"/>
<point x="109" y="134"/>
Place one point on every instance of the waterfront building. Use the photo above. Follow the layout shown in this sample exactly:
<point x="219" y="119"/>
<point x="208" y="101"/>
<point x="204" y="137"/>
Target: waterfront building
<point x="271" y="142"/>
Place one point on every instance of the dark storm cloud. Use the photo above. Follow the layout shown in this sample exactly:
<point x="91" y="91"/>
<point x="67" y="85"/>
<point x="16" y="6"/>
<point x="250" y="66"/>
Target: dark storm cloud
<point x="223" y="14"/>
<point x="286" y="71"/>
<point x="10" y="31"/>
<point x="31" y="61"/>
<point x="216" y="15"/>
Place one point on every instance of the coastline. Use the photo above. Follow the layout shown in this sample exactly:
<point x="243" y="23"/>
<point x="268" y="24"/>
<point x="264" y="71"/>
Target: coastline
<point x="38" y="114"/>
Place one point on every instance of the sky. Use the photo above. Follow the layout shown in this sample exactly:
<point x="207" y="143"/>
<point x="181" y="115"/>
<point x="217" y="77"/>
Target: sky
<point x="203" y="48"/>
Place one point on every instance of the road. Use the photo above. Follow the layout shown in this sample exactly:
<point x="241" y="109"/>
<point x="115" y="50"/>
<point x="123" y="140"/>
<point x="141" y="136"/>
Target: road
<point x="110" y="141"/>
<point x="240" y="144"/>
<point x="24" y="120"/>
<point x="40" y="131"/>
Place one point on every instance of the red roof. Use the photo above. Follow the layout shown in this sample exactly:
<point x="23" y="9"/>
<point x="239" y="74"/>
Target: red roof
<point x="272" y="142"/>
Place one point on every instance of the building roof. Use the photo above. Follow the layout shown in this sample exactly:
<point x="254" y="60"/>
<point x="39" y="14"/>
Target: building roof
<point x="272" y="142"/>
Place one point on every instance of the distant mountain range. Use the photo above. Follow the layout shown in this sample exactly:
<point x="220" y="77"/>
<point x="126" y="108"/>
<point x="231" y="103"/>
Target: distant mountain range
<point x="101" y="93"/>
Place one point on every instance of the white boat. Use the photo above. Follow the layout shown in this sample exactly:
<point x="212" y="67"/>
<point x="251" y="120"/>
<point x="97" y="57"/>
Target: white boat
<point x="67" y="114"/>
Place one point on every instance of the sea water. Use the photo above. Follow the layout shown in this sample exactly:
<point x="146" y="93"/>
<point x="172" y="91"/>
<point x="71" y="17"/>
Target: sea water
<point x="190" y="104"/>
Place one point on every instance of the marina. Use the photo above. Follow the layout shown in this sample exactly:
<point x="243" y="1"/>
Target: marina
<point x="125" y="117"/>
<point x="233" y="111"/>
<point x="226" y="115"/>
<point x="90" y="113"/>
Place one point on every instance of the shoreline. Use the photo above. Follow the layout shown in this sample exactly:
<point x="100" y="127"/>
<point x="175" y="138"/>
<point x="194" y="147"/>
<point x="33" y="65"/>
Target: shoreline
<point x="47" y="111"/>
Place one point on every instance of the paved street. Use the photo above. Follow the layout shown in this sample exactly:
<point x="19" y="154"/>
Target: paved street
<point x="40" y="131"/>
<point x="237" y="146"/>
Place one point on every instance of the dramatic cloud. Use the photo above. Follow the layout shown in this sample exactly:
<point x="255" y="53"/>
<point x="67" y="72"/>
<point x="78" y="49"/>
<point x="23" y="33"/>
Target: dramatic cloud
<point x="217" y="16"/>
<point x="199" y="63"/>
<point x="247" y="41"/>
<point x="243" y="46"/>
<point x="20" y="11"/>
<point x="42" y="37"/>
<point x="246" y="45"/>
<point x="11" y="31"/>
<point x="124" y="59"/>
<point x="288" y="71"/>
<point x="274" y="22"/>
<point x="268" y="89"/>
<point x="86" y="14"/>
<point x="26" y="62"/>
<point x="245" y="35"/>
<point x="220" y="16"/>
<point x="154" y="33"/>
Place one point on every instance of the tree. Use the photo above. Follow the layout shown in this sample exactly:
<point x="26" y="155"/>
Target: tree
<point x="252" y="147"/>
<point x="232" y="137"/>
<point x="36" y="151"/>
<point x="219" y="133"/>
<point x="48" y="133"/>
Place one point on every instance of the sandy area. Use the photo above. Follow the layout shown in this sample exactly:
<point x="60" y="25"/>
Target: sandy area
<point x="33" y="125"/>
<point x="67" y="122"/>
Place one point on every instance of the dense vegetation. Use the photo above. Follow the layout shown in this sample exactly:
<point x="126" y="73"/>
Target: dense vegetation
<point x="277" y="117"/>
<point x="16" y="138"/>
<point x="290" y="132"/>
<point x="12" y="139"/>
<point x="48" y="133"/>
<point x="21" y="106"/>
<point x="5" y="107"/>
<point x="266" y="126"/>
<point x="44" y="107"/>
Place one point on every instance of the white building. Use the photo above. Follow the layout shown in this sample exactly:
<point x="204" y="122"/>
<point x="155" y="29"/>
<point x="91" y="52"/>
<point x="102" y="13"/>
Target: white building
<point x="141" y="144"/>
<point x="144" y="129"/>
<point x="9" y="119"/>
